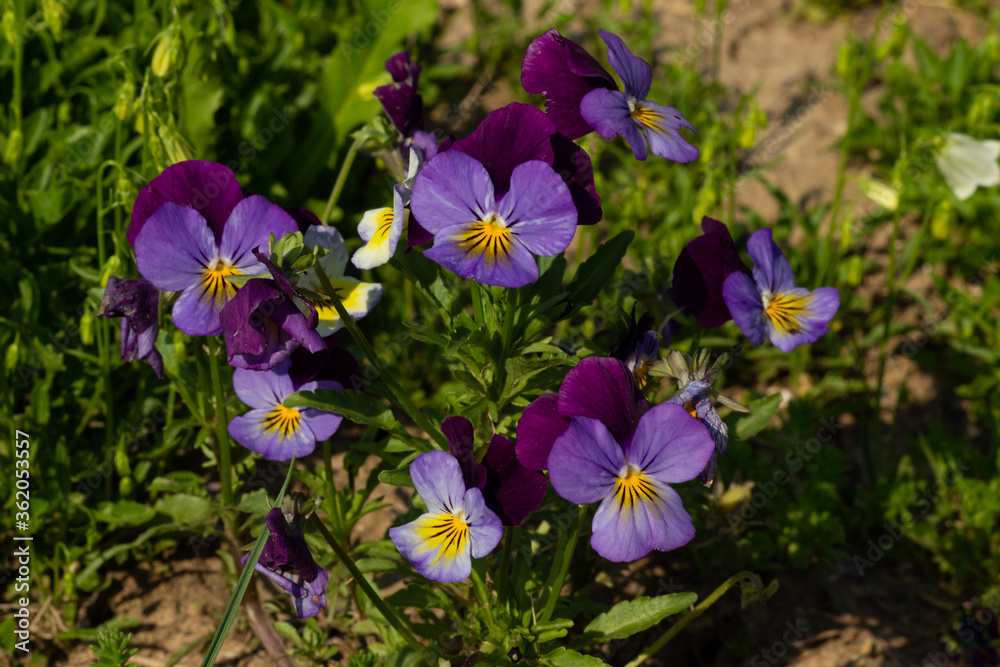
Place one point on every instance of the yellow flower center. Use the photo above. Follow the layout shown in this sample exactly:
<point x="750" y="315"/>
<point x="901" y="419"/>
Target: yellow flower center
<point x="214" y="281"/>
<point x="784" y="311"/>
<point x="633" y="486"/>
<point x="489" y="237"/>
<point x="447" y="534"/>
<point x="692" y="410"/>
<point x="646" y="118"/>
<point x="283" y="420"/>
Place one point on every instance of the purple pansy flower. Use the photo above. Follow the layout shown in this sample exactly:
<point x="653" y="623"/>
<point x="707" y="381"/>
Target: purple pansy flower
<point x="639" y="348"/>
<point x="769" y="305"/>
<point x="639" y="511"/>
<point x="287" y="561"/>
<point x="402" y="103"/>
<point x="272" y="429"/>
<point x="457" y="526"/>
<point x="599" y="388"/>
<point x="564" y="72"/>
<point x="701" y="268"/>
<point x="178" y="252"/>
<point x="510" y="490"/>
<point x="136" y="302"/>
<point x="612" y="113"/>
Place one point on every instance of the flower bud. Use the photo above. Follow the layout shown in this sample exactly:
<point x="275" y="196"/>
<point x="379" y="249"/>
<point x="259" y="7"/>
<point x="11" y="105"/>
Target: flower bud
<point x="13" y="355"/>
<point x="15" y="143"/>
<point x="55" y="16"/>
<point x="87" y="327"/>
<point x="168" y="55"/>
<point x="178" y="149"/>
<point x="944" y="214"/>
<point x="126" y="192"/>
<point x="9" y="22"/>
<point x="880" y="192"/>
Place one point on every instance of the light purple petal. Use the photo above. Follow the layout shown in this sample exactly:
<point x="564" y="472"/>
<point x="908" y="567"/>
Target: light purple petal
<point x="670" y="445"/>
<point x="539" y="427"/>
<point x="437" y="477"/>
<point x="626" y="532"/>
<point x="451" y="189"/>
<point x="249" y="430"/>
<point x="810" y="323"/>
<point x="174" y="248"/>
<point x="635" y="72"/>
<point x="263" y="389"/>
<point x="462" y="250"/>
<point x="207" y="187"/>
<point x="539" y="209"/>
<point x="605" y="389"/>
<point x="585" y="461"/>
<point x="412" y="542"/>
<point x="771" y="270"/>
<point x="485" y="528"/>
<point x="196" y="311"/>
<point x="323" y="424"/>
<point x="689" y="392"/>
<point x="250" y="224"/>
<point x="661" y="125"/>
<point x="314" y="600"/>
<point x="744" y="301"/>
<point x="608" y="113"/>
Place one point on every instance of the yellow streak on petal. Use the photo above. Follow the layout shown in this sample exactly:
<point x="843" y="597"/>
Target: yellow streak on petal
<point x="633" y="487"/>
<point x="284" y="421"/>
<point x="214" y="281"/>
<point x="489" y="237"/>
<point x="447" y="534"/>
<point x="784" y="311"/>
<point x="383" y="223"/>
<point x="647" y="118"/>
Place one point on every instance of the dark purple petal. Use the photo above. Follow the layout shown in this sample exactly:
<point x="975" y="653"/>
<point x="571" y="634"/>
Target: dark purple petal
<point x="426" y="143"/>
<point x="538" y="209"/>
<point x="608" y="113"/>
<point x="700" y="270"/>
<point x="506" y="138"/>
<point x="717" y="428"/>
<point x="461" y="443"/>
<point x="208" y="187"/>
<point x="511" y="490"/>
<point x="402" y="104"/>
<point x="635" y="72"/>
<point x="771" y="270"/>
<point x="573" y="165"/>
<point x="288" y="548"/>
<point x="135" y="300"/>
<point x="416" y="235"/>
<point x="539" y="427"/>
<point x="175" y="248"/>
<point x="743" y="299"/>
<point x="451" y="189"/>
<point x="603" y="388"/>
<point x="287" y="289"/>
<point x="141" y="346"/>
<point x="670" y="445"/>
<point x="585" y="462"/>
<point x="244" y="333"/>
<point x="564" y="72"/>
<point x="303" y="217"/>
<point x="331" y="363"/>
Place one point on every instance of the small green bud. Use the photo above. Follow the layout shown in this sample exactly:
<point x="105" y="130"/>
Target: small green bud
<point x="13" y="356"/>
<point x="177" y="147"/>
<point x="55" y="16"/>
<point x="15" y="143"/>
<point x="168" y="55"/>
<point x="122" y="464"/>
<point x="122" y="108"/>
<point x="9" y="22"/>
<point x="87" y="327"/>
<point x="880" y="192"/>
<point x="944" y="214"/>
<point x="126" y="192"/>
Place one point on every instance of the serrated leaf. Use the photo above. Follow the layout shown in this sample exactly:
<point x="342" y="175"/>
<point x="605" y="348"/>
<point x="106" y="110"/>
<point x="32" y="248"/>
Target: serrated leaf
<point x="761" y="412"/>
<point x="564" y="657"/>
<point x="352" y="404"/>
<point x="631" y="616"/>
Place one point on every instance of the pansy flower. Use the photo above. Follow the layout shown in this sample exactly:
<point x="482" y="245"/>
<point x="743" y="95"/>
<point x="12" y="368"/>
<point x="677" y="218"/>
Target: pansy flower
<point x="380" y="229"/>
<point x="631" y="478"/>
<point x="405" y="107"/>
<point x="639" y="348"/>
<point x="600" y="388"/>
<point x="457" y="526"/>
<point x="968" y="163"/>
<point x="701" y="268"/>
<point x="287" y="561"/>
<point x="510" y="490"/>
<point x="769" y="305"/>
<point x="177" y="252"/>
<point x="136" y="302"/>
<point x="271" y="429"/>
<point x="358" y="298"/>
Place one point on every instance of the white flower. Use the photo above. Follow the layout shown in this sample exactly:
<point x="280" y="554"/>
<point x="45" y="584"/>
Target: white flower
<point x="358" y="298"/>
<point x="967" y="163"/>
<point x="380" y="229"/>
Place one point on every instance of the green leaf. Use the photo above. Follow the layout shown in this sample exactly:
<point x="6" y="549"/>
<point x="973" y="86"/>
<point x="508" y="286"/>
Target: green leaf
<point x="631" y="616"/>
<point x="594" y="273"/>
<point x="761" y="412"/>
<point x="185" y="509"/>
<point x="564" y="657"/>
<point x="397" y="477"/>
<point x="354" y="405"/>
<point x="124" y="513"/>
<point x="254" y="502"/>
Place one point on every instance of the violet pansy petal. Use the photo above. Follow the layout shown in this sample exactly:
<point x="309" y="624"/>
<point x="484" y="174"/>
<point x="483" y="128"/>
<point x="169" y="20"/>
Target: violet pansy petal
<point x="539" y="209"/>
<point x="431" y="559"/>
<point x="263" y="390"/>
<point x="605" y="389"/>
<point x="585" y="461"/>
<point x="573" y="161"/>
<point x="624" y="532"/>
<point x="287" y="547"/>
<point x="661" y="125"/>
<point x="461" y="444"/>
<point x="608" y="113"/>
<point x="485" y="528"/>
<point x="243" y="327"/>
<point x="196" y="311"/>
<point x="806" y="321"/>
<point x="670" y="445"/>
<point x="771" y="270"/>
<point x="636" y="74"/>
<point x="507" y="138"/>
<point x="323" y="424"/>
<point x="174" y="248"/>
<point x="743" y="299"/>
<point x="690" y="392"/>
<point x="700" y="270"/>
<point x="250" y="224"/>
<point x="539" y="427"/>
<point x="451" y="189"/>
<point x="314" y="600"/>
<point x="437" y="477"/>
<point x="207" y="187"/>
<point x="511" y="490"/>
<point x="254" y="430"/>
<point x="505" y="265"/>
<point x="136" y="300"/>
<point x="400" y="99"/>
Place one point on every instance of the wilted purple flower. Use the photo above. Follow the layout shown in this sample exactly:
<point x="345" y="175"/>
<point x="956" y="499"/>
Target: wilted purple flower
<point x="639" y="348"/>
<point x="701" y="268"/>
<point x="457" y="526"/>
<point x="136" y="302"/>
<point x="510" y="490"/>
<point x="287" y="561"/>
<point x="770" y="305"/>
<point x="639" y="511"/>
<point x="272" y="429"/>
<point x="599" y="388"/>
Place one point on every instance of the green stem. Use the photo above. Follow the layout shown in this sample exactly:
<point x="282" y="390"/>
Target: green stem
<point x="555" y="584"/>
<point x="504" y="564"/>
<point x="402" y="397"/>
<point x="890" y="303"/>
<point x="511" y="306"/>
<point x="682" y="623"/>
<point x="477" y="301"/>
<point x="338" y="185"/>
<point x="390" y="615"/>
<point x="479" y="586"/>
<point x="338" y="510"/>
<point x="221" y="423"/>
<point x="103" y="329"/>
